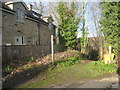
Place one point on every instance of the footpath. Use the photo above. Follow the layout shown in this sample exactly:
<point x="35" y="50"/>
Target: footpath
<point x="107" y="83"/>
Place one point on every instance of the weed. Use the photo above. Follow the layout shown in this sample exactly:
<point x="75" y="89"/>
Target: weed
<point x="29" y="59"/>
<point x="29" y="67"/>
<point x="73" y="58"/>
<point x="8" y="69"/>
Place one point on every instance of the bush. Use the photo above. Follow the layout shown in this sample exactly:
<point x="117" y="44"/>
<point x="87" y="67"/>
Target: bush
<point x="68" y="62"/>
<point x="101" y="67"/>
<point x="118" y="71"/>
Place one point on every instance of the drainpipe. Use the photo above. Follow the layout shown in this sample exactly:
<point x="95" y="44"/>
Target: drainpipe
<point x="39" y="33"/>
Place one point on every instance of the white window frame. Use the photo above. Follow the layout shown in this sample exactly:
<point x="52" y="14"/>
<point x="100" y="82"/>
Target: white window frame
<point x="34" y="40"/>
<point x="21" y="40"/>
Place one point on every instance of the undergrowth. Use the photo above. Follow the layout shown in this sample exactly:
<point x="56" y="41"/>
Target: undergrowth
<point x="101" y="67"/>
<point x="67" y="63"/>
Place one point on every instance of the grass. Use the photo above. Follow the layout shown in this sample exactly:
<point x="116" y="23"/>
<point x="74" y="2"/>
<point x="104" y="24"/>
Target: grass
<point x="71" y="70"/>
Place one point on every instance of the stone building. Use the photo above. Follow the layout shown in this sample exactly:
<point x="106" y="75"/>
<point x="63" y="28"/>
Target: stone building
<point x="23" y="26"/>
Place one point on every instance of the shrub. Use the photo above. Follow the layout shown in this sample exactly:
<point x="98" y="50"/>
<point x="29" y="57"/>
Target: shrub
<point x="8" y="69"/>
<point x="68" y="62"/>
<point x="101" y="67"/>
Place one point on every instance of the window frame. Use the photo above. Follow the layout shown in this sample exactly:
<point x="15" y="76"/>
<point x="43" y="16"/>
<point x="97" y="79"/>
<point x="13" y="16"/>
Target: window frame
<point x="20" y="40"/>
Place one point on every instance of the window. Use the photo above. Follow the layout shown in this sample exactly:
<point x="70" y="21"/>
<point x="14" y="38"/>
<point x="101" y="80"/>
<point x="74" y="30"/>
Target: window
<point x="50" y="26"/>
<point x="20" y="40"/>
<point x="34" y="41"/>
<point x="20" y="15"/>
<point x="23" y="40"/>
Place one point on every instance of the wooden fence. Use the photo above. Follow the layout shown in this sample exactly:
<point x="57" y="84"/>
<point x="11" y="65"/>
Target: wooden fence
<point x="18" y="52"/>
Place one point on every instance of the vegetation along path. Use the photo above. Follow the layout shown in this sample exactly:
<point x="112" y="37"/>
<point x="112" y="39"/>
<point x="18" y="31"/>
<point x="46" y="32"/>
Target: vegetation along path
<point x="64" y="75"/>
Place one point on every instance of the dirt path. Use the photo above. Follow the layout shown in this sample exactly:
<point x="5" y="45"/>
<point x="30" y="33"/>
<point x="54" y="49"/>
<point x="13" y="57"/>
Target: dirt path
<point x="107" y="82"/>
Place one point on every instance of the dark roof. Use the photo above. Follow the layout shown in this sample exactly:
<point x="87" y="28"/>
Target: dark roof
<point x="37" y="13"/>
<point x="24" y="5"/>
<point x="35" y="16"/>
<point x="31" y="14"/>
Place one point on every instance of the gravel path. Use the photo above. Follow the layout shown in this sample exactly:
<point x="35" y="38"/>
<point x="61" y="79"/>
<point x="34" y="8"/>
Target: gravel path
<point x="106" y="83"/>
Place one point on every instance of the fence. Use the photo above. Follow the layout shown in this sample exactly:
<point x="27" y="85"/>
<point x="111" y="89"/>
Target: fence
<point x="95" y="47"/>
<point x="17" y="52"/>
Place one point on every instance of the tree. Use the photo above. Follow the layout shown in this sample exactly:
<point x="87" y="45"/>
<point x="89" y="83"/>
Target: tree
<point x="95" y="16"/>
<point x="39" y="7"/>
<point x="83" y="38"/>
<point x="110" y="23"/>
<point x="68" y="24"/>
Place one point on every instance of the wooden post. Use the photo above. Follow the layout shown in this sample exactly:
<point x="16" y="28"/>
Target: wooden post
<point x="110" y="50"/>
<point x="118" y="61"/>
<point x="52" y="49"/>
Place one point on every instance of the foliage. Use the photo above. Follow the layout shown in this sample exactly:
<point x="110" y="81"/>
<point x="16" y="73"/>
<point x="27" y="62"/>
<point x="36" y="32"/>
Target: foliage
<point x="102" y="67"/>
<point x="118" y="71"/>
<point x="8" y="69"/>
<point x="83" y="39"/>
<point x="68" y="24"/>
<point x="68" y="62"/>
<point x="28" y="59"/>
<point x="110" y="22"/>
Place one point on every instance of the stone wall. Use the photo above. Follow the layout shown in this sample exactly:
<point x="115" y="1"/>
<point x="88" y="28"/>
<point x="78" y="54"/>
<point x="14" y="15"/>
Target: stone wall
<point x="34" y="34"/>
<point x="21" y="52"/>
<point x="45" y="34"/>
<point x="19" y="5"/>
<point x="12" y="29"/>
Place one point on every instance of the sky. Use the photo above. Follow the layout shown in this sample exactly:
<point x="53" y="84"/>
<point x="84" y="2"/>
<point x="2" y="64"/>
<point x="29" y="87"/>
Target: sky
<point x="89" y="23"/>
<point x="88" y="16"/>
